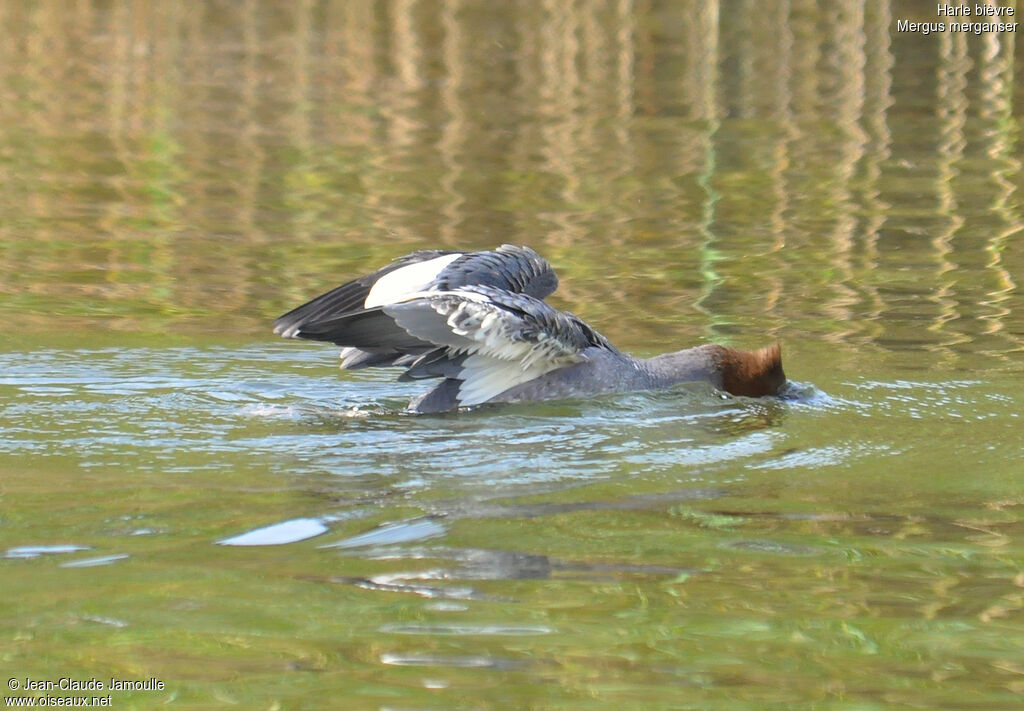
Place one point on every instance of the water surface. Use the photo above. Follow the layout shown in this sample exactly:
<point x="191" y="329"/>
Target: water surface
<point x="187" y="497"/>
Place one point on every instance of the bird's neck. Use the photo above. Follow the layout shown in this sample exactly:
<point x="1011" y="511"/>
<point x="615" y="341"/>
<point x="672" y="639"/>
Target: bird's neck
<point x="750" y="373"/>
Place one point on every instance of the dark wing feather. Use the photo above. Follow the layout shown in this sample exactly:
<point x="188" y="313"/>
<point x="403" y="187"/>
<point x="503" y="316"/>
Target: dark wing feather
<point x="369" y="330"/>
<point x="346" y="298"/>
<point x="519" y="270"/>
<point x="438" y="363"/>
<point x="372" y="337"/>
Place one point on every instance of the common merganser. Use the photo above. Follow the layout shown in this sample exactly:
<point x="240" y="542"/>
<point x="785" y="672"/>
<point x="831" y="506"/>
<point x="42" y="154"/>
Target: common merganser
<point x="478" y="321"/>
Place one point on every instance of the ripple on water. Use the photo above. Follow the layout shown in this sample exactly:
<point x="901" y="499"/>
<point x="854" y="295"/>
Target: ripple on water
<point x="417" y="529"/>
<point x="298" y="529"/>
<point x="761" y="545"/>
<point x="460" y="661"/>
<point x="284" y="408"/>
<point x="94" y="562"/>
<point x="37" y="551"/>
<point x="918" y="400"/>
<point x="482" y="630"/>
<point x="227" y="405"/>
<point x="404" y="583"/>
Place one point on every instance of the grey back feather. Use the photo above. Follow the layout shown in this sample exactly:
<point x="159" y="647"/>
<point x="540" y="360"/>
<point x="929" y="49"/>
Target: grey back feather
<point x="491" y="339"/>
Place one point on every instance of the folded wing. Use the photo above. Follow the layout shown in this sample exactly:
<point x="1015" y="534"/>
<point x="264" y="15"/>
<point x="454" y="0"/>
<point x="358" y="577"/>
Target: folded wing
<point x="353" y="316"/>
<point x="490" y="340"/>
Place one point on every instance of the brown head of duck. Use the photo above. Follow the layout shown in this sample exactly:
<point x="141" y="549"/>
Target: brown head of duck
<point x="751" y="373"/>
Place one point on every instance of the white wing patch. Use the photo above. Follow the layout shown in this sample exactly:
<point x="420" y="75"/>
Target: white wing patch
<point x="408" y="280"/>
<point x="486" y="377"/>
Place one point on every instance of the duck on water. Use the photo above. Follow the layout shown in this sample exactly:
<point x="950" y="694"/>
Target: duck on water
<point x="478" y="321"/>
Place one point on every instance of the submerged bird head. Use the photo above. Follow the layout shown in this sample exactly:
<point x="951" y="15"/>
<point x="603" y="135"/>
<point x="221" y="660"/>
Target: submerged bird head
<point x="751" y="373"/>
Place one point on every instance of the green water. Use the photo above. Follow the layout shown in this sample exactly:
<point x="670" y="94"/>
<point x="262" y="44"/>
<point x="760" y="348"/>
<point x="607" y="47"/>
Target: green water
<point x="185" y="497"/>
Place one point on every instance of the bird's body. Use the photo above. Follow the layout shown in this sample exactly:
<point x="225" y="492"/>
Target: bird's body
<point x="478" y="321"/>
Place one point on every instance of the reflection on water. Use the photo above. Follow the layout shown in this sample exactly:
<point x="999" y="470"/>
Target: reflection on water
<point x="769" y="171"/>
<point x="174" y="175"/>
<point x="298" y="529"/>
<point x="36" y="551"/>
